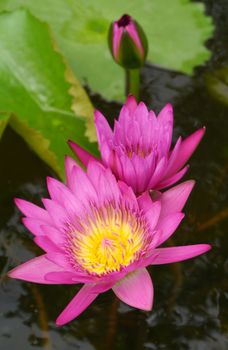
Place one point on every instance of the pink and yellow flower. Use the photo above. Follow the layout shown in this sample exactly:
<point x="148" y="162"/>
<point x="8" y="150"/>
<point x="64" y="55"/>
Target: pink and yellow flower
<point x="138" y="149"/>
<point x="96" y="232"/>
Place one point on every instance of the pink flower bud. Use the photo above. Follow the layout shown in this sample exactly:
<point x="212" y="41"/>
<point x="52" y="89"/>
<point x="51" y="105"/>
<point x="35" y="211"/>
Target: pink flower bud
<point x="128" y="43"/>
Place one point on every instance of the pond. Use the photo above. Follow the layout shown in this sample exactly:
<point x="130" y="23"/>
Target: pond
<point x="191" y="298"/>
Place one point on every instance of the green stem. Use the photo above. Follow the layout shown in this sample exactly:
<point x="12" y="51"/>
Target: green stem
<point x="133" y="82"/>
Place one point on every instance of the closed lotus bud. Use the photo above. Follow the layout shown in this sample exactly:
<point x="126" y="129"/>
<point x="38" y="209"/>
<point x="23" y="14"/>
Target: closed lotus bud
<point x="128" y="43"/>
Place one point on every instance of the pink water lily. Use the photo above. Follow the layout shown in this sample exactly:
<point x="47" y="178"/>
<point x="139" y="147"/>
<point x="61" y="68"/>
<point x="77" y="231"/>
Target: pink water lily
<point x="95" y="231"/>
<point x="138" y="149"/>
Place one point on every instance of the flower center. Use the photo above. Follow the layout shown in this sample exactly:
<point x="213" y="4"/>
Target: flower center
<point x="108" y="240"/>
<point x="138" y="150"/>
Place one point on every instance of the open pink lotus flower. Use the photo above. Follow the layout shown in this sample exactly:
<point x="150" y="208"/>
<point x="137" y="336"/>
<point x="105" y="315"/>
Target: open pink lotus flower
<point x="138" y="150"/>
<point x="95" y="231"/>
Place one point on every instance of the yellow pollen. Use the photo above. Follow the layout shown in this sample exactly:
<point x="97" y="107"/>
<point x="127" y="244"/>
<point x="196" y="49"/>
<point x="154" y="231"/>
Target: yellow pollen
<point x="138" y="151"/>
<point x="111" y="239"/>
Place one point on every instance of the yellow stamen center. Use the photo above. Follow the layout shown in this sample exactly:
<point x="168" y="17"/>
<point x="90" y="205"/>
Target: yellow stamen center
<point x="111" y="239"/>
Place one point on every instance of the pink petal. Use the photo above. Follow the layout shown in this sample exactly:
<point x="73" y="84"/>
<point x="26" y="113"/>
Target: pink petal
<point x="35" y="270"/>
<point x="54" y="234"/>
<point x="116" y="35"/>
<point x="69" y="165"/>
<point x="33" y="211"/>
<point x="128" y="195"/>
<point x="83" y="188"/>
<point x="132" y="31"/>
<point x="171" y="180"/>
<point x="144" y="201"/>
<point x="60" y="259"/>
<point x="158" y="173"/>
<point x="33" y="225"/>
<point x="174" y="199"/>
<point x="104" y="182"/>
<point x="136" y="289"/>
<point x="57" y="213"/>
<point x="77" y="305"/>
<point x="174" y="254"/>
<point x="131" y="104"/>
<point x="150" y="209"/>
<point x="142" y="173"/>
<point x="187" y="148"/>
<point x="129" y="175"/>
<point x="61" y="194"/>
<point x="81" y="153"/>
<point x="46" y="244"/>
<point x="67" y="277"/>
<point x="104" y="132"/>
<point x="172" y="158"/>
<point x="165" y="119"/>
<point x="141" y="113"/>
<point x="168" y="226"/>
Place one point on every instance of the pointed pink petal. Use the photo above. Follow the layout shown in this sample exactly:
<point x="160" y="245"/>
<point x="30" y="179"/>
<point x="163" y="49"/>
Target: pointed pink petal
<point x="133" y="33"/>
<point x="35" y="270"/>
<point x="128" y="195"/>
<point x="158" y="174"/>
<point x="54" y="234"/>
<point x="186" y="149"/>
<point x="104" y="182"/>
<point x="62" y="195"/>
<point x="144" y="201"/>
<point x="131" y="104"/>
<point x="66" y="277"/>
<point x="168" y="226"/>
<point x="77" y="305"/>
<point x="142" y="173"/>
<point x="69" y="165"/>
<point x="83" y="188"/>
<point x="57" y="189"/>
<point x="140" y="113"/>
<point x="33" y="225"/>
<point x="129" y="175"/>
<point x="46" y="244"/>
<point x="150" y="209"/>
<point x="165" y="119"/>
<point x="116" y="36"/>
<point x="81" y="153"/>
<point x="174" y="254"/>
<point x="171" y="180"/>
<point x="104" y="132"/>
<point x="32" y="211"/>
<point x="57" y="213"/>
<point x="136" y="289"/>
<point x="174" y="199"/>
<point x="61" y="259"/>
<point x="172" y="158"/>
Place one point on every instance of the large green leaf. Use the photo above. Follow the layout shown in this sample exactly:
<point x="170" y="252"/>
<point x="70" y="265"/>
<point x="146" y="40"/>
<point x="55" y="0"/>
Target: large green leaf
<point x="34" y="90"/>
<point x="176" y="31"/>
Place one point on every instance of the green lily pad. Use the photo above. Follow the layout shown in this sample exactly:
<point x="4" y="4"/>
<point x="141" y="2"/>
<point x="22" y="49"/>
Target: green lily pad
<point x="176" y="31"/>
<point x="217" y="84"/>
<point x="34" y="91"/>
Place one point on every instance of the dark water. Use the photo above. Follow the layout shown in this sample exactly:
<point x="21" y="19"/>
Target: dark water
<point x="191" y="298"/>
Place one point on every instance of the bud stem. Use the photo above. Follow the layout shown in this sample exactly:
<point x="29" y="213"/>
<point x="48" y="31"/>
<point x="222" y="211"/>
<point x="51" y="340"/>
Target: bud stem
<point x="132" y="82"/>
